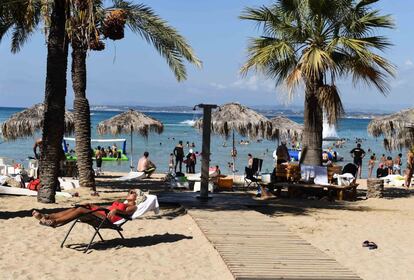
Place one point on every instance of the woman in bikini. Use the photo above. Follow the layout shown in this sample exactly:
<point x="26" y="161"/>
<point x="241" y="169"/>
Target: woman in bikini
<point x="66" y="216"/>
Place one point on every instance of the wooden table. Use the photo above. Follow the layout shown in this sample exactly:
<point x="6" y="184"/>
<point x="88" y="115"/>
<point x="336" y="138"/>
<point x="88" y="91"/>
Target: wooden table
<point x="339" y="190"/>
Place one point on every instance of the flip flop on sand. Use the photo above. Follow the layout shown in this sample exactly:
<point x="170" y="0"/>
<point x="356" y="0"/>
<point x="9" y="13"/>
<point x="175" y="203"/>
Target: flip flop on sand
<point x="365" y="243"/>
<point x="372" y="246"/>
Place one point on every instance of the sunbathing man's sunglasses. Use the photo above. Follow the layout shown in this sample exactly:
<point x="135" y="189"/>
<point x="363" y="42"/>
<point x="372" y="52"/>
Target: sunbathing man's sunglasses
<point x="132" y="192"/>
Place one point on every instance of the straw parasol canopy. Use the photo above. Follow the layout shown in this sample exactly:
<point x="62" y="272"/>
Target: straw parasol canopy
<point x="130" y="122"/>
<point x="397" y="129"/>
<point x="235" y="117"/>
<point x="28" y="121"/>
<point x="284" y="128"/>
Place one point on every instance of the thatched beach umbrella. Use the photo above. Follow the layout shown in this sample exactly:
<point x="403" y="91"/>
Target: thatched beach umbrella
<point x="284" y="128"/>
<point x="397" y="129"/>
<point x="28" y="121"/>
<point x="130" y="122"/>
<point x="232" y="117"/>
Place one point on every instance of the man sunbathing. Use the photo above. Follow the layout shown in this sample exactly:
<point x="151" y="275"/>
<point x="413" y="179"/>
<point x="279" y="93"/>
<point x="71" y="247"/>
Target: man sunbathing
<point x="133" y="198"/>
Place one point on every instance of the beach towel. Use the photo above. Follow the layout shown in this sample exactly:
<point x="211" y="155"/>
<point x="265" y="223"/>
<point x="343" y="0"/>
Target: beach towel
<point x="149" y="204"/>
<point x="344" y="179"/>
<point x="319" y="173"/>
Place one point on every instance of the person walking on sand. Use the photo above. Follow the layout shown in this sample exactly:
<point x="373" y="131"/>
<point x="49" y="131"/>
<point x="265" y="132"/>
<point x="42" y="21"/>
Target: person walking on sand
<point x="410" y="167"/>
<point x="179" y="156"/>
<point x="358" y="154"/>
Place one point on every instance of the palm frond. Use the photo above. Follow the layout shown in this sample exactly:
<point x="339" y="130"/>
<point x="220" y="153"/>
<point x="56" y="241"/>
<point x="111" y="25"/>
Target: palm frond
<point x="166" y="40"/>
<point x="330" y="100"/>
<point x="264" y="52"/>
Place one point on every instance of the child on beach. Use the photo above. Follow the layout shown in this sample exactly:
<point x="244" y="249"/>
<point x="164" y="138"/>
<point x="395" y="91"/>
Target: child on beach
<point x="171" y="163"/>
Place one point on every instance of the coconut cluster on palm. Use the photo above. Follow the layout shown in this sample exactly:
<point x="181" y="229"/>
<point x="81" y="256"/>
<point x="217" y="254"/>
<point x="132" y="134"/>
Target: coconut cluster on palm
<point x="114" y="25"/>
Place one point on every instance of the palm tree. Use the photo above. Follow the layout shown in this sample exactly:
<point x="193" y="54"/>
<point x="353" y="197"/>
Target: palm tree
<point x="21" y="17"/>
<point x="109" y="23"/>
<point x="314" y="43"/>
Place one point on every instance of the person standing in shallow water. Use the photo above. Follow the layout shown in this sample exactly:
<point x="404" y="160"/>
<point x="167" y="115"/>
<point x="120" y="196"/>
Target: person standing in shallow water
<point x="358" y="154"/>
<point x="179" y="156"/>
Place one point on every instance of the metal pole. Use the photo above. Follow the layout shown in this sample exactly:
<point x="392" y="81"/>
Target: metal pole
<point x="131" y="155"/>
<point x="205" y="149"/>
<point x="234" y="156"/>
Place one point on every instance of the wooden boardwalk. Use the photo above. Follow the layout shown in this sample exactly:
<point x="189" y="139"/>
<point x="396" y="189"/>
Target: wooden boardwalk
<point x="255" y="246"/>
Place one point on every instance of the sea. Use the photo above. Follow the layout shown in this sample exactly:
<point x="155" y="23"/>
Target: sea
<point x="178" y="126"/>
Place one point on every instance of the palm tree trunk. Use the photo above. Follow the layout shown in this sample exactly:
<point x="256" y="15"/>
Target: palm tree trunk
<point x="313" y="124"/>
<point x="82" y="119"/>
<point x="54" y="115"/>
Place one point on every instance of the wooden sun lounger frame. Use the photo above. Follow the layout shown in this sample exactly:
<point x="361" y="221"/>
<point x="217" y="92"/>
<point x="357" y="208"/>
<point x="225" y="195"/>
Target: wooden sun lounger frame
<point x="97" y="223"/>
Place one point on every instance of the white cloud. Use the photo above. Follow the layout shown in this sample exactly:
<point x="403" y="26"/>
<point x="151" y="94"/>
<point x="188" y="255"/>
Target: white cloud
<point x="409" y="62"/>
<point x="218" y="86"/>
<point x="252" y="83"/>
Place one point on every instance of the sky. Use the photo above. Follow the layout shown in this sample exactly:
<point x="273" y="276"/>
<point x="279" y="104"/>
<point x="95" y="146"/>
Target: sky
<point x="131" y="72"/>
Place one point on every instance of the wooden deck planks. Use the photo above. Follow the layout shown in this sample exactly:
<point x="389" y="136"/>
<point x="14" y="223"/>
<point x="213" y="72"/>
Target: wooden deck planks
<point x="255" y="246"/>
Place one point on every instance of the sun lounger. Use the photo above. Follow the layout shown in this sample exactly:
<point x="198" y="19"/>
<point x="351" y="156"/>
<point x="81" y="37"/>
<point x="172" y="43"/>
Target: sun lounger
<point x="27" y="192"/>
<point x="98" y="223"/>
<point x="68" y="183"/>
<point x="132" y="176"/>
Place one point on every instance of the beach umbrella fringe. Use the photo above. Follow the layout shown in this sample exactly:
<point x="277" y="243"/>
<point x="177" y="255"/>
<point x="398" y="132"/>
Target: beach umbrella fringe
<point x="27" y="122"/>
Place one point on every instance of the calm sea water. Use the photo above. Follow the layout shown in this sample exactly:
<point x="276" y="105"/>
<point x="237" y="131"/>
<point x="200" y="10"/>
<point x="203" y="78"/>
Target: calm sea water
<point x="178" y="127"/>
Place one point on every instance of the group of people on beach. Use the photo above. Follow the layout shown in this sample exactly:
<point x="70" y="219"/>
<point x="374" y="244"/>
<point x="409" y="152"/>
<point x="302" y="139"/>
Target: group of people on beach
<point x="387" y="164"/>
<point x="177" y="158"/>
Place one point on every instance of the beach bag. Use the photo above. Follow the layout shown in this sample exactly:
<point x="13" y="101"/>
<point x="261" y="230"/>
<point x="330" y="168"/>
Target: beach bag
<point x="34" y="185"/>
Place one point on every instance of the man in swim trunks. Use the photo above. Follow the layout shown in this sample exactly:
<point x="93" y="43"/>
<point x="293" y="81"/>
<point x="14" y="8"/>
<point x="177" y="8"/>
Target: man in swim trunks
<point x="179" y="156"/>
<point x="145" y="165"/>
<point x="358" y="154"/>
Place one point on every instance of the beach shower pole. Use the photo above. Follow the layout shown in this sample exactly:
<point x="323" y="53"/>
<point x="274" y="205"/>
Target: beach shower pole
<point x="131" y="155"/>
<point x="233" y="155"/>
<point x="205" y="162"/>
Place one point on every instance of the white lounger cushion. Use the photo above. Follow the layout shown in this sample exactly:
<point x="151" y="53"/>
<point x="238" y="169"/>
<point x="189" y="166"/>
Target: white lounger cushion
<point x="132" y="176"/>
<point x="21" y="191"/>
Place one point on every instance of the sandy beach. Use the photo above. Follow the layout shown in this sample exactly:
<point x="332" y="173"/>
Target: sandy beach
<point x="171" y="246"/>
<point x="340" y="229"/>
